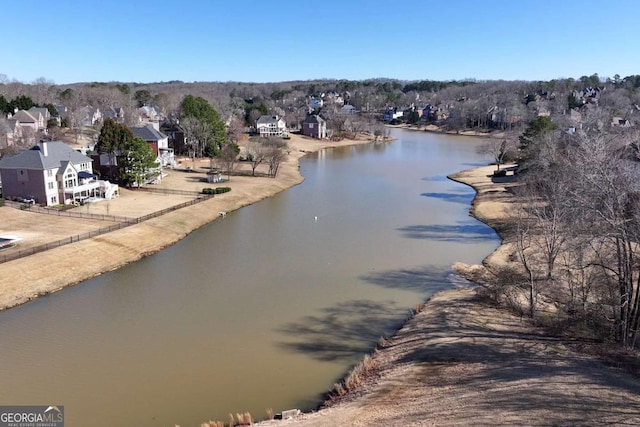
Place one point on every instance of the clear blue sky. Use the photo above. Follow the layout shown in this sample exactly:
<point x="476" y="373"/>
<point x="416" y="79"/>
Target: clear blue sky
<point x="268" y="41"/>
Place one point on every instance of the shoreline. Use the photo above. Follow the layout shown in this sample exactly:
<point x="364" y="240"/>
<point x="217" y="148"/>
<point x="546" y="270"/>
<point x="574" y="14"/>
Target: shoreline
<point x="25" y="279"/>
<point x="437" y="129"/>
<point x="383" y="358"/>
<point x="462" y="360"/>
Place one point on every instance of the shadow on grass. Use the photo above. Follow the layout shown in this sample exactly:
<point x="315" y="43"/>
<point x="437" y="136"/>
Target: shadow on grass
<point x="511" y="368"/>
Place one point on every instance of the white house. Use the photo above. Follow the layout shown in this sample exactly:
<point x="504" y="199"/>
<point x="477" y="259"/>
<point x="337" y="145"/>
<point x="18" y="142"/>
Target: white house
<point x="271" y="126"/>
<point x="392" y="114"/>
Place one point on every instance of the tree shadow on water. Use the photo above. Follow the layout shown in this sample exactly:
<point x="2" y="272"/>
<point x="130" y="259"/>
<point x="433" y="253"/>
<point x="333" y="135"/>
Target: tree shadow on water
<point x="436" y="178"/>
<point x="460" y="232"/>
<point x="344" y="331"/>
<point x="429" y="279"/>
<point x="455" y="197"/>
<point x="349" y="329"/>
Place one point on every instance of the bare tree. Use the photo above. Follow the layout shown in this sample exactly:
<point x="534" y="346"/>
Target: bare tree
<point x="235" y="129"/>
<point x="228" y="157"/>
<point x="500" y="151"/>
<point x="524" y="249"/>
<point x="197" y="135"/>
<point x="276" y="153"/>
<point x="256" y="153"/>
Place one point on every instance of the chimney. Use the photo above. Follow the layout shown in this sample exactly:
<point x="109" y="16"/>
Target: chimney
<point x="43" y="147"/>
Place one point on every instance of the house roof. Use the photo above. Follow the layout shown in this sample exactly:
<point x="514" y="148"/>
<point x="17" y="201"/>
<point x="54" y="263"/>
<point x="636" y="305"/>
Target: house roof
<point x="63" y="111"/>
<point x="13" y="124"/>
<point x="266" y="119"/>
<point x="34" y="158"/>
<point x="42" y="110"/>
<point x="148" y="133"/>
<point x="24" y="117"/>
<point x="314" y="118"/>
<point x="110" y="113"/>
<point x="149" y="110"/>
<point x="7" y="125"/>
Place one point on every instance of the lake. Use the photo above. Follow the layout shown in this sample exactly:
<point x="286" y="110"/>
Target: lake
<point x="266" y="308"/>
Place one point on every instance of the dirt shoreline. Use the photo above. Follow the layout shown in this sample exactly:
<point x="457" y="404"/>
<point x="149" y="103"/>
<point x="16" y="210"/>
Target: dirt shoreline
<point x="437" y="129"/>
<point x="463" y="361"/>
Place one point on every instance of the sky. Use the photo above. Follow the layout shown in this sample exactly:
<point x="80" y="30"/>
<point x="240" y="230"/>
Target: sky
<point x="144" y="41"/>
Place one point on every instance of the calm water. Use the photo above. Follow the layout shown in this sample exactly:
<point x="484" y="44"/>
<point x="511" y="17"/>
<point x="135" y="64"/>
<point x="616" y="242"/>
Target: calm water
<point x="266" y="308"/>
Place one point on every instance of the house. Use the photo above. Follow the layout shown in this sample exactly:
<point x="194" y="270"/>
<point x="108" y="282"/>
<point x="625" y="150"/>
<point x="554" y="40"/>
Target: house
<point x="62" y="113"/>
<point x="114" y="113"/>
<point x="334" y="98"/>
<point x="148" y="114"/>
<point x="392" y="114"/>
<point x="51" y="173"/>
<point x="271" y="126"/>
<point x="316" y="102"/>
<point x="158" y="142"/>
<point x="347" y="110"/>
<point x="620" y="122"/>
<point x="315" y="127"/>
<point x="10" y="132"/>
<point x="41" y="112"/>
<point x="171" y="127"/>
<point x="30" y="120"/>
<point x="90" y="116"/>
<point x="435" y="113"/>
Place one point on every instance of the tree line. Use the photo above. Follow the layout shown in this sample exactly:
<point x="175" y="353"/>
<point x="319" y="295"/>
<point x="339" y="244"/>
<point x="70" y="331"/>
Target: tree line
<point x="575" y="228"/>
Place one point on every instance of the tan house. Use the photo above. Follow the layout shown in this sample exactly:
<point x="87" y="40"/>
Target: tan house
<point x="30" y="120"/>
<point x="10" y="132"/>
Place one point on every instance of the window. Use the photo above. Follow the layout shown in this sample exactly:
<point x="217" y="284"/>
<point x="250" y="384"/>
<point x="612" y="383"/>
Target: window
<point x="310" y="125"/>
<point x="50" y="185"/>
<point x="49" y="173"/>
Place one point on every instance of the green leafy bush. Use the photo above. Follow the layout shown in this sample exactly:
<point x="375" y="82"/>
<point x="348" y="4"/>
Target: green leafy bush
<point x="218" y="190"/>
